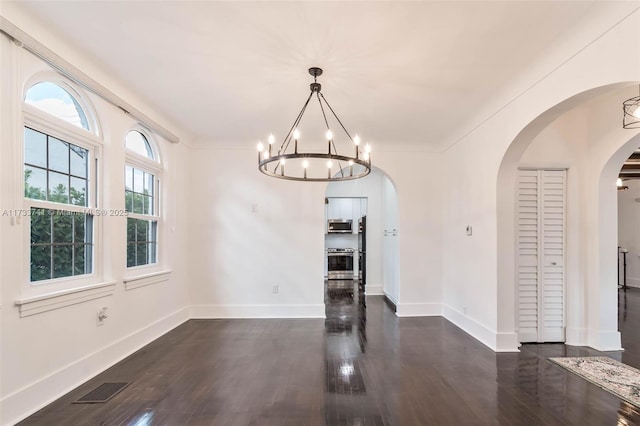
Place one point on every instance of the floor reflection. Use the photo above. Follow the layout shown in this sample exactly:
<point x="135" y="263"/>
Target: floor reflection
<point x="347" y="401"/>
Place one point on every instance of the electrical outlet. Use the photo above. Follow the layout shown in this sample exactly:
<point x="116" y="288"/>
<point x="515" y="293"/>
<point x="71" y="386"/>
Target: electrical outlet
<point x="275" y="289"/>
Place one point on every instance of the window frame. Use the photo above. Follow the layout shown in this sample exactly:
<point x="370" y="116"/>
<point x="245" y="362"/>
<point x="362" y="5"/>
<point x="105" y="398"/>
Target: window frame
<point x="41" y="121"/>
<point x="153" y="167"/>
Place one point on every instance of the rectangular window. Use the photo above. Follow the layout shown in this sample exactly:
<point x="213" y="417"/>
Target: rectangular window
<point x="142" y="224"/>
<point x="56" y="176"/>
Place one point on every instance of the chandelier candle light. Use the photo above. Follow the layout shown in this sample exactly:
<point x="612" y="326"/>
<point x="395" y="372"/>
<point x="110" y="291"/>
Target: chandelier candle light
<point x="308" y="166"/>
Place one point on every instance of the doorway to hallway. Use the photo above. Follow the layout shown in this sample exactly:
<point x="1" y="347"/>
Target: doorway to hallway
<point x="368" y="207"/>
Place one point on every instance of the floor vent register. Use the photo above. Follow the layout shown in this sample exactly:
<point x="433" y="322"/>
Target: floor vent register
<point x="102" y="393"/>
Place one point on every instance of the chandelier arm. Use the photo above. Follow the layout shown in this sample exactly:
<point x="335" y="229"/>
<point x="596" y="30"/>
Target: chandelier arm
<point x="288" y="137"/>
<point x="326" y="122"/>
<point x="323" y="113"/>
<point x="334" y="114"/>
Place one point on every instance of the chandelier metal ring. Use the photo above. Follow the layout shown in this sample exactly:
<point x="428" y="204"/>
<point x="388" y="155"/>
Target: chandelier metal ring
<point x="345" y="174"/>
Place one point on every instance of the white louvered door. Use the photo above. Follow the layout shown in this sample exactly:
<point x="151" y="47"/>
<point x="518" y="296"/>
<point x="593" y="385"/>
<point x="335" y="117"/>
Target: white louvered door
<point x="527" y="221"/>
<point x="540" y="255"/>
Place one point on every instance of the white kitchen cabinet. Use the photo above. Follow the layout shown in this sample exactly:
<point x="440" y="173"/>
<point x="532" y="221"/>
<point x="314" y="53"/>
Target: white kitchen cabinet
<point x="340" y="208"/>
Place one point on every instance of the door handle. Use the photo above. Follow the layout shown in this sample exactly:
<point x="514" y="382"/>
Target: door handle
<point x="553" y="263"/>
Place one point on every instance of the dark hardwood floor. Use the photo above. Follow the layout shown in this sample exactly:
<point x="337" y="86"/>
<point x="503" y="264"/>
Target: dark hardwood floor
<point x="360" y="366"/>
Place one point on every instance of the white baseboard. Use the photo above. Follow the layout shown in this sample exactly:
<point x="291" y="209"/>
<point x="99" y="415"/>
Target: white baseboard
<point x="257" y="311"/>
<point x="605" y="340"/>
<point x="497" y="342"/>
<point x="24" y="402"/>
<point x="388" y="296"/>
<point x="418" y="309"/>
<point x="373" y="290"/>
<point x="633" y="282"/>
<point x="507" y="342"/>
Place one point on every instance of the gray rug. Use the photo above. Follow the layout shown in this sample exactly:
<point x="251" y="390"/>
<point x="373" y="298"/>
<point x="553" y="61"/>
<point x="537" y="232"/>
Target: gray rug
<point x="609" y="374"/>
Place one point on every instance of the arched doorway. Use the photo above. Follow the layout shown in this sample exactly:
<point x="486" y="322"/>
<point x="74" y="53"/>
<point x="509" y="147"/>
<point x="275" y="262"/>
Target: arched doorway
<point x="375" y="198"/>
<point x="583" y="136"/>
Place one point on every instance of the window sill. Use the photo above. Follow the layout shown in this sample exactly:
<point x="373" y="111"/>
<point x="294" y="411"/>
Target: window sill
<point x="61" y="299"/>
<point x="146" y="279"/>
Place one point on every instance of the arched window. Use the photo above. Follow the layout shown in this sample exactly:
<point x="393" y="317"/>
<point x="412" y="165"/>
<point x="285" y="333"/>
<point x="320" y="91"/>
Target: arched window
<point x="138" y="143"/>
<point x="53" y="99"/>
<point x="59" y="176"/>
<point x="141" y="200"/>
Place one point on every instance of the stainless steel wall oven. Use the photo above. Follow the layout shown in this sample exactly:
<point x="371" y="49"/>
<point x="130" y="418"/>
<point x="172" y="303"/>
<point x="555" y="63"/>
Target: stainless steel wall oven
<point x="340" y="264"/>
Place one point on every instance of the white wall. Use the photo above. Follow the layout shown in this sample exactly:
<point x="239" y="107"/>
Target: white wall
<point x="390" y="240"/>
<point x="629" y="230"/>
<point x="45" y="355"/>
<point x="481" y="297"/>
<point x="239" y="255"/>
<point x="417" y="178"/>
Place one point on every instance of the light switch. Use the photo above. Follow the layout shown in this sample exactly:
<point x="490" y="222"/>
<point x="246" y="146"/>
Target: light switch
<point x="254" y="208"/>
<point x="469" y="230"/>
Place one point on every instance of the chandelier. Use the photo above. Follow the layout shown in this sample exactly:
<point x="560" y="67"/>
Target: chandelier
<point x="631" y="108"/>
<point x="292" y="162"/>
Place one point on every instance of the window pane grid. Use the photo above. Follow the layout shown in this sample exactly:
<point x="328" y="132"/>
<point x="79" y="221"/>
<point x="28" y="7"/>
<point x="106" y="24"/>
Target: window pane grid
<point x="55" y="170"/>
<point x="141" y="242"/>
<point x="139" y="191"/>
<point x="61" y="244"/>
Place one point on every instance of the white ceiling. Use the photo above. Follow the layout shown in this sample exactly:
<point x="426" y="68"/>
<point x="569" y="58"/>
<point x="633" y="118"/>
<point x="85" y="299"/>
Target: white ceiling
<point x="395" y="72"/>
